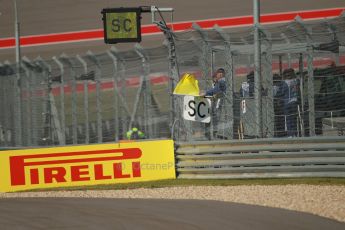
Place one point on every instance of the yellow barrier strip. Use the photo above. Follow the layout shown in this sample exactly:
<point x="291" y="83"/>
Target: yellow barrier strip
<point x="86" y="165"/>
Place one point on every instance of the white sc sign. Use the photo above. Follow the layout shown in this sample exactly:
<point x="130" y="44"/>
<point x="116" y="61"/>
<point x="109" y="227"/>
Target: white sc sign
<point x="197" y="109"/>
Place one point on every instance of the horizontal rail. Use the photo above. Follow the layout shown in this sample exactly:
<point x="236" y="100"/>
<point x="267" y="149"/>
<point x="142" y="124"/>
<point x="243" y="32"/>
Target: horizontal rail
<point x="263" y="162"/>
<point x="262" y="175"/>
<point x="318" y="139"/>
<point x="262" y="158"/>
<point x="260" y="148"/>
<point x="268" y="169"/>
<point x="228" y="156"/>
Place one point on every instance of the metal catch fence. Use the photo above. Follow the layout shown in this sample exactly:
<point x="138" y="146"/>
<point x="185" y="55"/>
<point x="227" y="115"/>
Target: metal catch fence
<point x="97" y="98"/>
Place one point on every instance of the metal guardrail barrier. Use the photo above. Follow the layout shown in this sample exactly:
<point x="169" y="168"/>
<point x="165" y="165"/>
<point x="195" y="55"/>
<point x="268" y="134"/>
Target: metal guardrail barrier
<point x="262" y="158"/>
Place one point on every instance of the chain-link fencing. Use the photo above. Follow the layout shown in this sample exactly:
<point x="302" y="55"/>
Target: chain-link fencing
<point x="96" y="98"/>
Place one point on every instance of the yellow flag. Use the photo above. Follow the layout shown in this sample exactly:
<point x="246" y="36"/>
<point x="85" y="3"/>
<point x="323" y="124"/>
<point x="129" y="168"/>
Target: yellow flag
<point x="187" y="85"/>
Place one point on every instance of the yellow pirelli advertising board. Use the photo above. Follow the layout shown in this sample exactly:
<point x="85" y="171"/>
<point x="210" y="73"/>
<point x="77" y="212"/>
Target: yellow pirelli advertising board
<point x="86" y="165"/>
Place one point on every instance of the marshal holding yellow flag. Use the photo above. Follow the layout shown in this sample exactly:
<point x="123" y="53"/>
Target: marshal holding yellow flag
<point x="195" y="106"/>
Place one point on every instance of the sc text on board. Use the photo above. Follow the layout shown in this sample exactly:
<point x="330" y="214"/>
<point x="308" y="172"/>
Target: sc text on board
<point x="196" y="109"/>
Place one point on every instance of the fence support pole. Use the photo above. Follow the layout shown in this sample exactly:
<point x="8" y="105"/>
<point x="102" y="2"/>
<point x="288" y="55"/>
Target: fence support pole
<point x="66" y="60"/>
<point x="62" y="100"/>
<point x="2" y="115"/>
<point x="116" y="105"/>
<point x="34" y="115"/>
<point x="205" y="68"/>
<point x="18" y="114"/>
<point x="49" y="116"/>
<point x="175" y="107"/>
<point x="268" y="86"/>
<point x="311" y="91"/>
<point x="18" y="108"/>
<point x="174" y="78"/>
<point x="28" y="113"/>
<point x="229" y="76"/>
<point x="94" y="59"/>
<point x="86" y="101"/>
<point x="124" y="113"/>
<point x="301" y="83"/>
<point x="257" y="68"/>
<point x="8" y="117"/>
<point x="148" y="115"/>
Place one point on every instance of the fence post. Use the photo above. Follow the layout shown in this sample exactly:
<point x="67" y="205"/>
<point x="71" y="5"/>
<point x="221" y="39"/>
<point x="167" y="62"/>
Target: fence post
<point x="2" y="105"/>
<point x="7" y="89"/>
<point x="123" y="107"/>
<point x="146" y="84"/>
<point x="94" y="59"/>
<point x="311" y="91"/>
<point x="66" y="60"/>
<point x="115" y="95"/>
<point x="229" y="76"/>
<point x="301" y="82"/>
<point x="52" y="110"/>
<point x="175" y="101"/>
<point x="268" y="85"/>
<point x="18" y="107"/>
<point x="46" y="73"/>
<point x="32" y="86"/>
<point x="28" y="113"/>
<point x="16" y="134"/>
<point x="62" y="101"/>
<point x="173" y="77"/>
<point x="86" y="101"/>
<point x="169" y="42"/>
<point x="257" y="69"/>
<point x="205" y="65"/>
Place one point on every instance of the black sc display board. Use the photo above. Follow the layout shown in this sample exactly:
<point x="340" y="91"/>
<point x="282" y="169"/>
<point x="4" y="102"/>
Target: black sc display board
<point x="121" y="25"/>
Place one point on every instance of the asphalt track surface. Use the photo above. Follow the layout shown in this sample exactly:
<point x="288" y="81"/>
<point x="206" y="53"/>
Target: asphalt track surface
<point x="51" y="16"/>
<point x="84" y="213"/>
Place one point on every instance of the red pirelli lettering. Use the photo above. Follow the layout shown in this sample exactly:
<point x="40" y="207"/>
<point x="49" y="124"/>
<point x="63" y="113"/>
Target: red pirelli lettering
<point x="34" y="176"/>
<point x="136" y="169"/>
<point x="78" y="172"/>
<point x="99" y="173"/>
<point x="56" y="173"/>
<point x="118" y="171"/>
